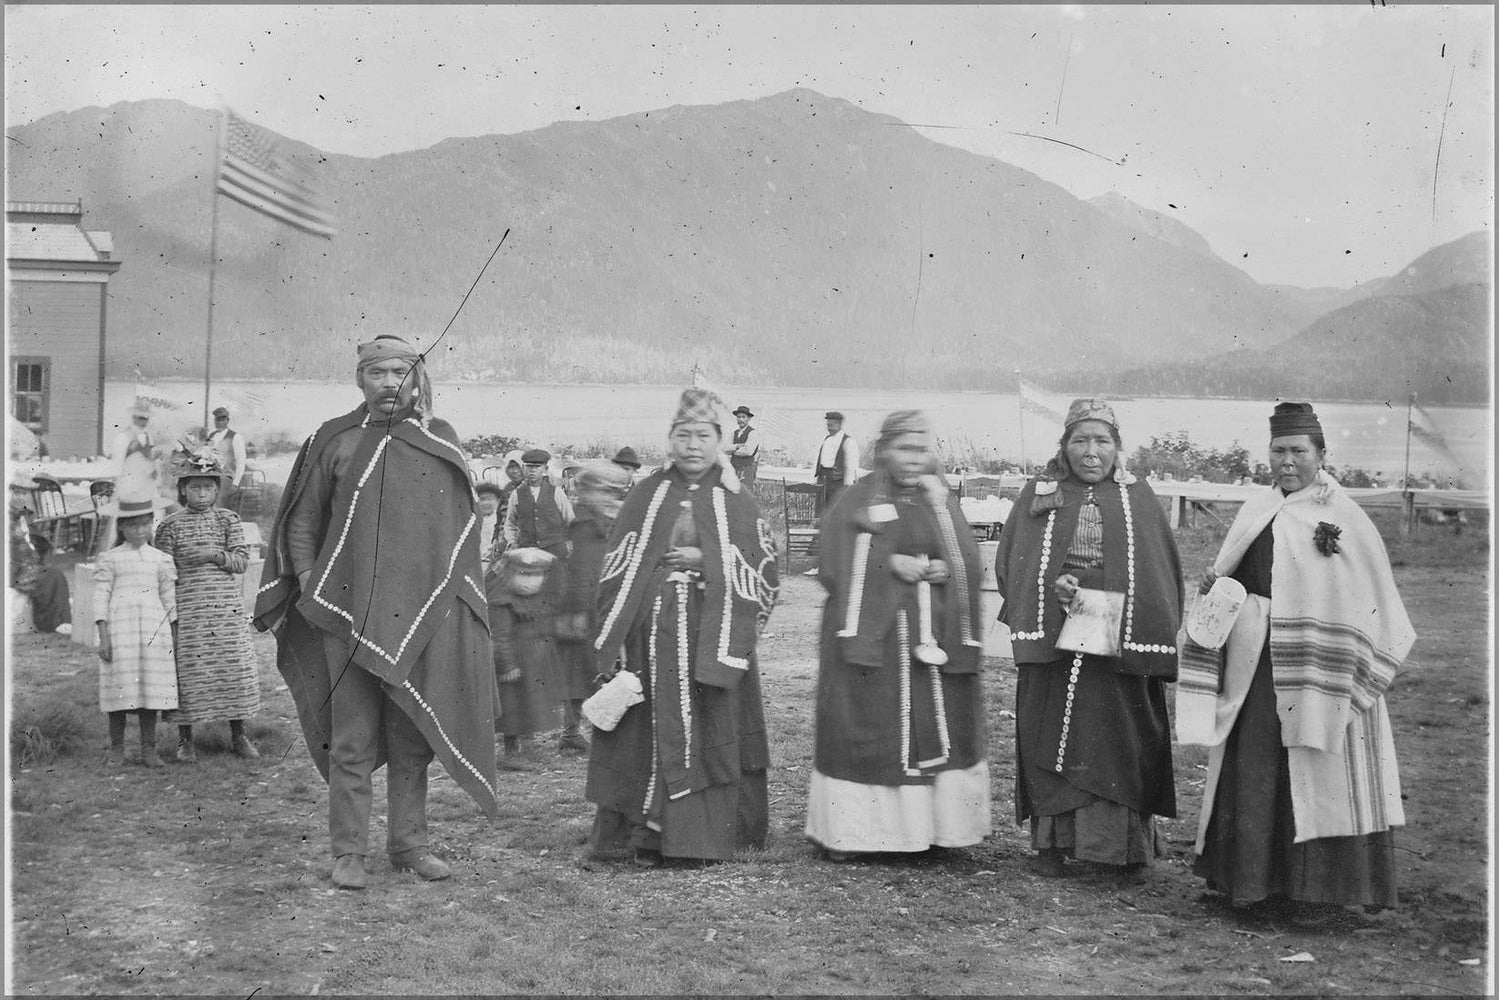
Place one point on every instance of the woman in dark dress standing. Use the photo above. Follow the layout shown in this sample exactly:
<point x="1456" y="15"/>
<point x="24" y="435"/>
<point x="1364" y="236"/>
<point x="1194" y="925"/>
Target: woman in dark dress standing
<point x="1302" y="790"/>
<point x="1092" y="733"/>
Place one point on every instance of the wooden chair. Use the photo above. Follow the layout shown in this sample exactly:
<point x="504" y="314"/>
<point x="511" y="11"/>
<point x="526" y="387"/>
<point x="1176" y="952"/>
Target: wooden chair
<point x="799" y="511"/>
<point x="494" y="474"/>
<point x="46" y="497"/>
<point x="99" y="492"/>
<point x="61" y="529"/>
<point x="249" y="496"/>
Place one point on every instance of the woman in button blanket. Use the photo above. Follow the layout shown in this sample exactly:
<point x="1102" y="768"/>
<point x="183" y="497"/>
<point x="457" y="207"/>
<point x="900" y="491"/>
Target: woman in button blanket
<point x="1092" y="734"/>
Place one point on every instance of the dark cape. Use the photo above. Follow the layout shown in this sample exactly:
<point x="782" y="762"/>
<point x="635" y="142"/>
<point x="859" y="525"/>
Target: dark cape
<point x="407" y="509"/>
<point x="1100" y="730"/>
<point x="689" y="762"/>
<point x="1139" y="561"/>
<point x="872" y="695"/>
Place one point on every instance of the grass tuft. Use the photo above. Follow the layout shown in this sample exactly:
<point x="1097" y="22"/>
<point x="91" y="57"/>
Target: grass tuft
<point x="41" y="732"/>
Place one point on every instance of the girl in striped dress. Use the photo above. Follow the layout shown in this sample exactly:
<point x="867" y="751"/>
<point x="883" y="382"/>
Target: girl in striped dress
<point x="217" y="674"/>
<point x="134" y="597"/>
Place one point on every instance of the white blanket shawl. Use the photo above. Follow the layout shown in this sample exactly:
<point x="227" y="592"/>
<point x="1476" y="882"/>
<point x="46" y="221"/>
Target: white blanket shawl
<point x="1338" y="632"/>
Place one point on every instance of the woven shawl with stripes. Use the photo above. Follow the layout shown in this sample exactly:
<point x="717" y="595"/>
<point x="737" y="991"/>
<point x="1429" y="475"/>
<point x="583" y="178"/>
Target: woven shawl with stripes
<point x="1338" y="628"/>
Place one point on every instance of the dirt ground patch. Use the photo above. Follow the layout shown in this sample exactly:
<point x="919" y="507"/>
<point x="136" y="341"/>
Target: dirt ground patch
<point x="214" y="878"/>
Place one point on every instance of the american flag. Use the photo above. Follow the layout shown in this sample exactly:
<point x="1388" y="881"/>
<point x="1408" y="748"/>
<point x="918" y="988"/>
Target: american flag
<point x="254" y="172"/>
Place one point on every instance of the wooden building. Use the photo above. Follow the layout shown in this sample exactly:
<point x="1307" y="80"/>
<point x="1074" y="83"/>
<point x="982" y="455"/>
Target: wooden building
<point x="57" y="276"/>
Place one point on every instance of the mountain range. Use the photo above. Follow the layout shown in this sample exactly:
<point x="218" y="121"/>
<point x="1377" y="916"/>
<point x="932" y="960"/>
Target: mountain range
<point x="796" y="239"/>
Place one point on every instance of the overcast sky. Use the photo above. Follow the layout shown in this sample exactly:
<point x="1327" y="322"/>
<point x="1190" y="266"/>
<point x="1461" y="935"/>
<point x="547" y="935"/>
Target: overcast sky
<point x="1303" y="137"/>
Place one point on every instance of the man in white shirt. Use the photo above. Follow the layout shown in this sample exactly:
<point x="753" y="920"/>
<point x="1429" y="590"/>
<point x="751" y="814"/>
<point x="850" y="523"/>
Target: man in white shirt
<point x="537" y="517"/>
<point x="539" y="512"/>
<point x="837" y="467"/>
<point x="744" y="448"/>
<point x="229" y="446"/>
<point x="837" y="461"/>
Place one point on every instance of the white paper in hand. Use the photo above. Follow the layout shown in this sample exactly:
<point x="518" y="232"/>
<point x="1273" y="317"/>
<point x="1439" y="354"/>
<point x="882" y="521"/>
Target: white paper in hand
<point x="1093" y="623"/>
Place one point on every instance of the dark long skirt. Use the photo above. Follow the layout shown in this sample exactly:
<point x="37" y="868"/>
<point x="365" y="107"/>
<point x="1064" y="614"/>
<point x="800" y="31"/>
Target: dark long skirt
<point x="1115" y="757"/>
<point x="1250" y="851"/>
<point x="529" y="705"/>
<point x="51" y="604"/>
<point x="729" y="806"/>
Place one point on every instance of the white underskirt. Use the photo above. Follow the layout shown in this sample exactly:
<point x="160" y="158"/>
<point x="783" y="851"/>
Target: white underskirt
<point x="953" y="811"/>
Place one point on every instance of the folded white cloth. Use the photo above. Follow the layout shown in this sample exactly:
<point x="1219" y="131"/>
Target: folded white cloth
<point x="606" y="706"/>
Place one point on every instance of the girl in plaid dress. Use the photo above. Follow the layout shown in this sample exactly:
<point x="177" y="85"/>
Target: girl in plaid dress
<point x="137" y="616"/>
<point x="218" y="676"/>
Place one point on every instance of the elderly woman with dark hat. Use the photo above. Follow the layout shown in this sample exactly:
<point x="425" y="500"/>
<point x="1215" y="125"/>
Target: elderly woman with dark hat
<point x="1302" y="790"/>
<point x="687" y="582"/>
<point x="899" y="763"/>
<point x="1092" y="734"/>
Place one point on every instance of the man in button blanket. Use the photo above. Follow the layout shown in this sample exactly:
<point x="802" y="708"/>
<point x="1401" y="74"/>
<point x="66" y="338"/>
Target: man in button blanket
<point x="373" y="587"/>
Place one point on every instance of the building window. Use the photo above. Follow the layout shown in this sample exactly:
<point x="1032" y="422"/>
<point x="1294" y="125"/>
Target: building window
<point x="30" y="380"/>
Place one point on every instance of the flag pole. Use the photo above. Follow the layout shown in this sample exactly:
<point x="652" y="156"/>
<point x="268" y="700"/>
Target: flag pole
<point x="213" y="266"/>
<point x="1020" y="401"/>
<point x="1408" y="498"/>
<point x="1410" y="410"/>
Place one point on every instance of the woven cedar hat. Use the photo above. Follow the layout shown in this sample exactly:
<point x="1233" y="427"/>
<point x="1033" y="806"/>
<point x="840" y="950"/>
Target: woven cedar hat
<point x="1091" y="408"/>
<point x="699" y="406"/>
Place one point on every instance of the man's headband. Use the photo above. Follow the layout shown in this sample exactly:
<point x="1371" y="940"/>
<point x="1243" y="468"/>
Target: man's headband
<point x="387" y="347"/>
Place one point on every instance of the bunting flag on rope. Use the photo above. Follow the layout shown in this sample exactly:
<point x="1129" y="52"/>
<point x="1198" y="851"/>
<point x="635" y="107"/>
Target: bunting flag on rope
<point x="256" y="171"/>
<point x="776" y="430"/>
<point x="1034" y="399"/>
<point x="1424" y="429"/>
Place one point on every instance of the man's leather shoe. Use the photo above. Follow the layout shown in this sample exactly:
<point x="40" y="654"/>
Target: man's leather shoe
<point x="426" y="865"/>
<point x="348" y="871"/>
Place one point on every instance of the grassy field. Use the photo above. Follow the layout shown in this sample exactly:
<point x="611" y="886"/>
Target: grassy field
<point x="214" y="878"/>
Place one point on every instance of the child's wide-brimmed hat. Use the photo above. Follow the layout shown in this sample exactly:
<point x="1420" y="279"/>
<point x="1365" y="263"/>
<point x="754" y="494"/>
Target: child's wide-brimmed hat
<point x="121" y="508"/>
